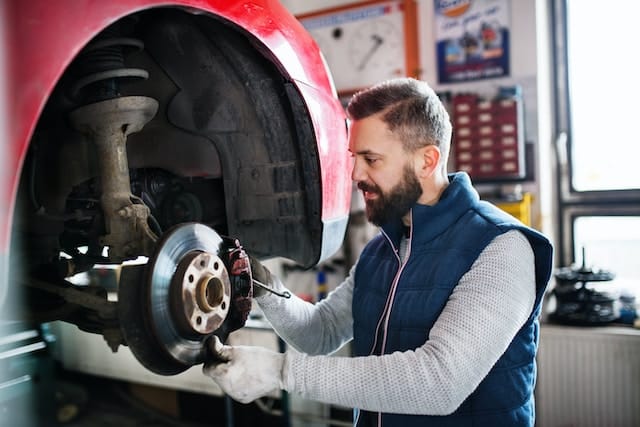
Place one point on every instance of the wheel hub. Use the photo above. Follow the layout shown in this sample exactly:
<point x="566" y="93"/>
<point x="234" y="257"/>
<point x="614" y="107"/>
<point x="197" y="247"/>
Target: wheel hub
<point x="201" y="292"/>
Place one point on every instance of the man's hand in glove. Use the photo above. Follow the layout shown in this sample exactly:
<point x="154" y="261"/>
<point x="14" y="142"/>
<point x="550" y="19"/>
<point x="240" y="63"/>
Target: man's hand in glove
<point x="245" y="373"/>
<point x="264" y="282"/>
<point x="261" y="274"/>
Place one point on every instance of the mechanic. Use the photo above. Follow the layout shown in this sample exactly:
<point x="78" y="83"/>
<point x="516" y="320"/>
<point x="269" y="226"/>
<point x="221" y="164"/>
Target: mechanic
<point x="442" y="306"/>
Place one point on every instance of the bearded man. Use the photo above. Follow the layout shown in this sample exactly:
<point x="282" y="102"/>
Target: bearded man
<point x="441" y="307"/>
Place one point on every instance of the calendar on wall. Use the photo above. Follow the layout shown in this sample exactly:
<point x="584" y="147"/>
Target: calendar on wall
<point x="367" y="42"/>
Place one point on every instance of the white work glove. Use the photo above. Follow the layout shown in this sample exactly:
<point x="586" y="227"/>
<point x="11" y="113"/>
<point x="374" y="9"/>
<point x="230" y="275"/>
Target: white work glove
<point x="265" y="283"/>
<point x="248" y="373"/>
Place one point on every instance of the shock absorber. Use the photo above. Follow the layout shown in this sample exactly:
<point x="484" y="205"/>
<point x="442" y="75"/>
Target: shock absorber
<point x="106" y="119"/>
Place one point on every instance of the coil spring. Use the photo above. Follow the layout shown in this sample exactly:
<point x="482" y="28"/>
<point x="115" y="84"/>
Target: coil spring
<point x="101" y="66"/>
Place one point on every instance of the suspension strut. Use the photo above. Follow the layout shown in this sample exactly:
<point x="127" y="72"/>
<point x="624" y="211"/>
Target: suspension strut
<point x="106" y="119"/>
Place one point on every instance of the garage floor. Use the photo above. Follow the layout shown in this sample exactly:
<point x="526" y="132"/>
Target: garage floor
<point x="89" y="401"/>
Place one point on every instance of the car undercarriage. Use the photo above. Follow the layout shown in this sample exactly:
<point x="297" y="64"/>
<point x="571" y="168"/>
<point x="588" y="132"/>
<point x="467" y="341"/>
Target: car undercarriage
<point x="169" y="132"/>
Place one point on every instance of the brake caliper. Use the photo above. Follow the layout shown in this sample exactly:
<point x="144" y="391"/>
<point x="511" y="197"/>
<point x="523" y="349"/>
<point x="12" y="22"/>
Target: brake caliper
<point x="237" y="262"/>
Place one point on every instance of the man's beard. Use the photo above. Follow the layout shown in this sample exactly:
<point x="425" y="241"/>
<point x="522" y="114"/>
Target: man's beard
<point x="394" y="204"/>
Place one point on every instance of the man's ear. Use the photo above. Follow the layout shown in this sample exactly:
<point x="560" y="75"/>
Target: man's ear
<point x="428" y="161"/>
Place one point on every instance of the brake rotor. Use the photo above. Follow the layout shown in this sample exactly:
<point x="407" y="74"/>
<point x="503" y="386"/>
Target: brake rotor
<point x="184" y="298"/>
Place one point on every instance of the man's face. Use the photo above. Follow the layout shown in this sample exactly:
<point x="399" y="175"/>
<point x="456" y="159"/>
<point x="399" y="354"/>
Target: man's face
<point x="382" y="170"/>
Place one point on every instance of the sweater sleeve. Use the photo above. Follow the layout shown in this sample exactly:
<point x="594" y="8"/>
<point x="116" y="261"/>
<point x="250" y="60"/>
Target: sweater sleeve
<point x="485" y="311"/>
<point x="320" y="328"/>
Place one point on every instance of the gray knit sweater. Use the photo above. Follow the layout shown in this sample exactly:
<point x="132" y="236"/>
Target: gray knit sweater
<point x="483" y="314"/>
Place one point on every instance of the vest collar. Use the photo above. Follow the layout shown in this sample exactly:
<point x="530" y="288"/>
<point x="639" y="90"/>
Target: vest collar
<point x="428" y="221"/>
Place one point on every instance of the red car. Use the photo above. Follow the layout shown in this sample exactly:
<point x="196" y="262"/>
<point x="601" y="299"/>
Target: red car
<point x="151" y="130"/>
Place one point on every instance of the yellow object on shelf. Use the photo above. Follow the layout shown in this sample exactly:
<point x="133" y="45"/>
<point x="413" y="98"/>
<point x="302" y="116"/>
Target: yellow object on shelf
<point x="521" y="209"/>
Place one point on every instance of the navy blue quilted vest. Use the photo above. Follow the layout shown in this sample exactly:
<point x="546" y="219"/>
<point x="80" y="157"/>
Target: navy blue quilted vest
<point x="446" y="239"/>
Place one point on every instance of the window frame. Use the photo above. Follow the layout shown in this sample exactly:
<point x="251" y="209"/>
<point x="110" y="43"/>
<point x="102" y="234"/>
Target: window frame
<point x="572" y="203"/>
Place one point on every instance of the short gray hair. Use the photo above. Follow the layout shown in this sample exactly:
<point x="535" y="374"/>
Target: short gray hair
<point x="411" y="110"/>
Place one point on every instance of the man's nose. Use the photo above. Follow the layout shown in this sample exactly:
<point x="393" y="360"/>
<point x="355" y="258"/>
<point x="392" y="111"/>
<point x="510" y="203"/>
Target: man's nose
<point x="357" y="171"/>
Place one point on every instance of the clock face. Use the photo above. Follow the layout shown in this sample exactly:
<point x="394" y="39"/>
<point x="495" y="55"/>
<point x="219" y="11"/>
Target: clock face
<point x="376" y="50"/>
<point x="363" y="45"/>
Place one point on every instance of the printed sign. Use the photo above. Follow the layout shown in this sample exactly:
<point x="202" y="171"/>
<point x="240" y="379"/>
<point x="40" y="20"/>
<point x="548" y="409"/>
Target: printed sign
<point x="472" y="39"/>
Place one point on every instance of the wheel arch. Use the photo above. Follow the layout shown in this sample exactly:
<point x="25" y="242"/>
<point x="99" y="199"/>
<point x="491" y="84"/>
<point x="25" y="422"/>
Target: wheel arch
<point x="271" y="169"/>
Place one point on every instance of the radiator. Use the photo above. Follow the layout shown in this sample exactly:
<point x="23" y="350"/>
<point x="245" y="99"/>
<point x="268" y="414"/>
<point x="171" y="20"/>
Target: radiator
<point x="588" y="377"/>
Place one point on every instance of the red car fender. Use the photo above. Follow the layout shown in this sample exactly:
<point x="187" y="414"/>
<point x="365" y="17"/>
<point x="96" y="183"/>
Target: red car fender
<point x="41" y="38"/>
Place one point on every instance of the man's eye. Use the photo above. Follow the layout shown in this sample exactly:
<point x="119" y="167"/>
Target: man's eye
<point x="370" y="160"/>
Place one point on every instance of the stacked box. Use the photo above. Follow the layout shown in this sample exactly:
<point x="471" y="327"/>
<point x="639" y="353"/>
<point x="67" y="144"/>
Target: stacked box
<point x="488" y="137"/>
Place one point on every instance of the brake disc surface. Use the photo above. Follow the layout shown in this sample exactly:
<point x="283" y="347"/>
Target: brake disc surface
<point x="167" y="272"/>
<point x="184" y="298"/>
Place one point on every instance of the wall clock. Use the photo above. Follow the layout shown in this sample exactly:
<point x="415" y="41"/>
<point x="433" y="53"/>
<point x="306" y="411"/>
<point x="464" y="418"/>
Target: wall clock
<point x="367" y="42"/>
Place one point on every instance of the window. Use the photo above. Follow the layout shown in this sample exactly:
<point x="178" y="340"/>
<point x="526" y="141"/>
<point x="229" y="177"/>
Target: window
<point x="597" y="96"/>
<point x="603" y="63"/>
<point x="614" y="242"/>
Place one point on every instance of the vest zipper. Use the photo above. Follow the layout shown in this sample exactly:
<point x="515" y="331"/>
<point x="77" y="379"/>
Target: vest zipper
<point x="388" y="302"/>
<point x="386" y="313"/>
<point x="394" y="287"/>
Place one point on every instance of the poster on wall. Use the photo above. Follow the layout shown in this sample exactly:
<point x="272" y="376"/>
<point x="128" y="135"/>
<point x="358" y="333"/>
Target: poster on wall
<point x="472" y="39"/>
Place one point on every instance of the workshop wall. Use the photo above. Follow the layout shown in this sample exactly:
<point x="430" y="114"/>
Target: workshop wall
<point x="529" y="73"/>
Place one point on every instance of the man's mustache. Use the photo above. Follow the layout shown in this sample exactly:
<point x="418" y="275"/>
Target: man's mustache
<point x="363" y="186"/>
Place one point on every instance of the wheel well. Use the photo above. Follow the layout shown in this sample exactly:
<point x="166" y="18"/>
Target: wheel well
<point x="229" y="122"/>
